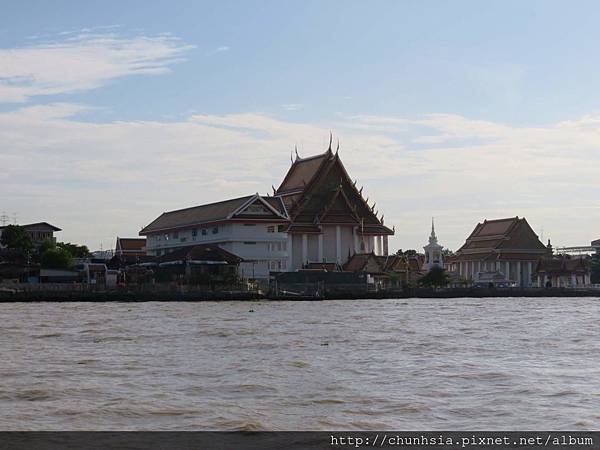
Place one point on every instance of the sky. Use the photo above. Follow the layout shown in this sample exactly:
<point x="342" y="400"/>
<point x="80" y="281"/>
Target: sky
<point x="113" y="112"/>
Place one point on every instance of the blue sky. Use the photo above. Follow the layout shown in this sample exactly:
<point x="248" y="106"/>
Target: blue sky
<point x="459" y="110"/>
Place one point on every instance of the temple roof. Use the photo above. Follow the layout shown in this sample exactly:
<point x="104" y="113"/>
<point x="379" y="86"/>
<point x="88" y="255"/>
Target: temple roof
<point x="130" y="244"/>
<point x="563" y="264"/>
<point x="318" y="190"/>
<point x="272" y="209"/>
<point x="301" y="173"/>
<point x="207" y="254"/>
<point x="510" y="238"/>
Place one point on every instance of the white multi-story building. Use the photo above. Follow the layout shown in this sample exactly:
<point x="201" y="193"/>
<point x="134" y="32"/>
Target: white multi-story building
<point x="252" y="227"/>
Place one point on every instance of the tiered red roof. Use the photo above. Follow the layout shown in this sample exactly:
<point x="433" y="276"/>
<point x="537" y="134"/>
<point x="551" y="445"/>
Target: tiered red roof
<point x="506" y="239"/>
<point x="318" y="190"/>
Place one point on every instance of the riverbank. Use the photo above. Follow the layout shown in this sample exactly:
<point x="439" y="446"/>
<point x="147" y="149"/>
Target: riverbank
<point x="195" y="296"/>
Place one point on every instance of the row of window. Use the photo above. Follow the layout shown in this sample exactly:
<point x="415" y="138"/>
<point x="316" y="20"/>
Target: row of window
<point x="270" y="228"/>
<point x="175" y="234"/>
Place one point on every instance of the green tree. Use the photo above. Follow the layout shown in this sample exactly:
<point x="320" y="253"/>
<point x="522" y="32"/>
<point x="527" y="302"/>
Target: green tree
<point x="56" y="258"/>
<point x="436" y="277"/>
<point x="16" y="237"/>
<point x="76" y="251"/>
<point x="447" y="252"/>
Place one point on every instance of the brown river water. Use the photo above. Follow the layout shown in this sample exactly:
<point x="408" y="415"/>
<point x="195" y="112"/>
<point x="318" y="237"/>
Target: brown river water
<point x="510" y="363"/>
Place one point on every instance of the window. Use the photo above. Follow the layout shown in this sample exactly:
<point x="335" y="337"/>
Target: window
<point x="204" y="231"/>
<point x="280" y="228"/>
<point x="215" y="230"/>
<point x="249" y="224"/>
<point x="175" y="234"/>
<point x="271" y="229"/>
<point x="249" y="243"/>
<point x="195" y="232"/>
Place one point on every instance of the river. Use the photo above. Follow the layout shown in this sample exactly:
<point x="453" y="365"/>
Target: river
<point x="471" y="364"/>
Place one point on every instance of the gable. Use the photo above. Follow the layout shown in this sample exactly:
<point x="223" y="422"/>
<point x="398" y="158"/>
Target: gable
<point x="258" y="209"/>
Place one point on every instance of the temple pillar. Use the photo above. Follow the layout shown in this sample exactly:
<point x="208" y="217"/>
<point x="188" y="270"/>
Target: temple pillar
<point x="304" y="248"/>
<point x="320" y="250"/>
<point x="507" y="270"/>
<point x="380" y="239"/>
<point x="289" y="250"/>
<point x="338" y="244"/>
<point x="519" y="278"/>
<point x="529" y="273"/>
<point x="356" y="241"/>
<point x="385" y="246"/>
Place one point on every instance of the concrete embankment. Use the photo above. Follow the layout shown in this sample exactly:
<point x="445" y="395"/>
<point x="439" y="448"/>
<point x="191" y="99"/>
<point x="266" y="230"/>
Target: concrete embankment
<point x="120" y="296"/>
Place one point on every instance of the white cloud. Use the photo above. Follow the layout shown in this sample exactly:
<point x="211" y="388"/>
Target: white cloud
<point x="97" y="180"/>
<point x="83" y="61"/>
<point x="220" y="49"/>
<point x="292" y="106"/>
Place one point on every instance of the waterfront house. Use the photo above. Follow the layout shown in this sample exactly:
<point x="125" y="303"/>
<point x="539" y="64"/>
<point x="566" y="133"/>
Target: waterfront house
<point x="198" y="264"/>
<point x="387" y="271"/>
<point x="130" y="249"/>
<point x="253" y="228"/>
<point x="329" y="219"/>
<point x="39" y="231"/>
<point x="509" y="247"/>
<point x="563" y="271"/>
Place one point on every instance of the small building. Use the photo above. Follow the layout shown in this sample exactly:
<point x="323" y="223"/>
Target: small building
<point x="200" y="264"/>
<point x="59" y="276"/>
<point x="130" y="248"/>
<point x="39" y="231"/>
<point x="507" y="246"/>
<point x="563" y="271"/>
<point x="387" y="271"/>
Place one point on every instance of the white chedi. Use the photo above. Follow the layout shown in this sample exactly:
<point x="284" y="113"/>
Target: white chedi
<point x="433" y="251"/>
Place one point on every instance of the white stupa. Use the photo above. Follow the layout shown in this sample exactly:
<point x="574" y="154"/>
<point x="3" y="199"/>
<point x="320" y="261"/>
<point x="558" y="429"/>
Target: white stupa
<point x="433" y="251"/>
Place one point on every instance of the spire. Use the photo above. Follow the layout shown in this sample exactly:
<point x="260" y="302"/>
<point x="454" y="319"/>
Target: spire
<point x="296" y="150"/>
<point x="330" y="140"/>
<point x="433" y="237"/>
<point x="338" y="147"/>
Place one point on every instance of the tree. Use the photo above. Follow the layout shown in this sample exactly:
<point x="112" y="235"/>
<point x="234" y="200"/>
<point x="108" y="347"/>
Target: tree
<point x="56" y="258"/>
<point x="406" y="253"/>
<point x="76" y="251"/>
<point x="447" y="252"/>
<point x="16" y="237"/>
<point x="436" y="277"/>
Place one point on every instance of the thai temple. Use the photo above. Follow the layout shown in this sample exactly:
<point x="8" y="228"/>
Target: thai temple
<point x="506" y="250"/>
<point x="329" y="219"/>
<point x="317" y="216"/>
